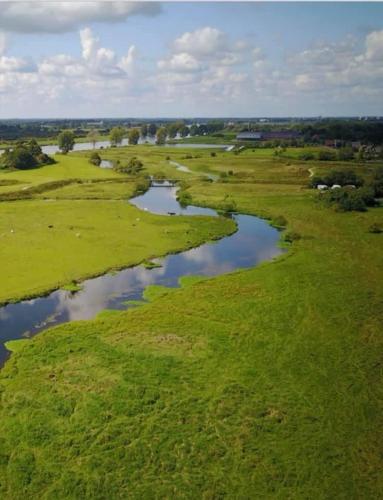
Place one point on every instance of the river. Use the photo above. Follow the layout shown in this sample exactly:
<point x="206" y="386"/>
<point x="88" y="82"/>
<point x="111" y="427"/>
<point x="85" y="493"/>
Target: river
<point x="255" y="241"/>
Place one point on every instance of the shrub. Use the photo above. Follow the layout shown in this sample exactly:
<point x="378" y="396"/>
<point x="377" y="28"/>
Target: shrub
<point x="345" y="154"/>
<point x="367" y="194"/>
<point x="343" y="177"/>
<point x="325" y="155"/>
<point x="292" y="236"/>
<point x="184" y="198"/>
<point x="213" y="153"/>
<point x="314" y="181"/>
<point x="306" y="156"/>
<point x="95" y="159"/>
<point x="280" y="221"/>
<point x="375" y="228"/>
<point x="142" y="185"/>
<point x="133" y="166"/>
<point x="377" y="182"/>
<point x="346" y="199"/>
<point x="159" y="176"/>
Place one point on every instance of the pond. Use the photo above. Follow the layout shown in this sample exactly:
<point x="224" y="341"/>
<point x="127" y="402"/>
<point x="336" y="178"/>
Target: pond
<point x="255" y="241"/>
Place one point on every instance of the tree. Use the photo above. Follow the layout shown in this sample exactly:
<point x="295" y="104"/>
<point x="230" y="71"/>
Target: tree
<point x="116" y="136"/>
<point x="133" y="136"/>
<point x="93" y="136"/>
<point x="172" y="130"/>
<point x="194" y="130"/>
<point x="152" y="129"/>
<point x="215" y="126"/>
<point x="66" y="141"/>
<point x="144" y="130"/>
<point x="184" y="131"/>
<point x="161" y="135"/>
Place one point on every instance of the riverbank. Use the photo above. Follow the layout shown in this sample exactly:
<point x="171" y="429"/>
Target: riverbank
<point x="265" y="380"/>
<point x="83" y="229"/>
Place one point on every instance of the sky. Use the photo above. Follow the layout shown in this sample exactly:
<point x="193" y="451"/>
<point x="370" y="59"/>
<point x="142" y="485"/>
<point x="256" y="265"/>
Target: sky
<point x="191" y="59"/>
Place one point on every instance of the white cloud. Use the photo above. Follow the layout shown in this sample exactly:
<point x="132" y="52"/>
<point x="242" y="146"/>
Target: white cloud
<point x="15" y="64"/>
<point x="3" y="43"/>
<point x="56" y="17"/>
<point x="328" y="68"/>
<point x="193" y="78"/>
<point x="127" y="62"/>
<point x="374" y="46"/>
<point x="202" y="42"/>
<point x="180" y="62"/>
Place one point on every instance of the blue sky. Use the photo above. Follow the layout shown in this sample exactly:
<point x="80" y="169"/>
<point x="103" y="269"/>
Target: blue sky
<point x="190" y="59"/>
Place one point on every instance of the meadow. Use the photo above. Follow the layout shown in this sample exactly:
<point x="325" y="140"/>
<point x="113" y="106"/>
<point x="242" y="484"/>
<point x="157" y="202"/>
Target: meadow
<point x="263" y="383"/>
<point x="71" y="220"/>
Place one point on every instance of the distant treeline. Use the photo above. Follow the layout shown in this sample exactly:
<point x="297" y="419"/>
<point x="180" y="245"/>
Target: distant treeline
<point x="366" y="132"/>
<point x="316" y="131"/>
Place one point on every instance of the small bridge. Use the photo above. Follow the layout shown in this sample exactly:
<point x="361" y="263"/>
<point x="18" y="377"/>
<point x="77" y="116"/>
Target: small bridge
<point x="165" y="183"/>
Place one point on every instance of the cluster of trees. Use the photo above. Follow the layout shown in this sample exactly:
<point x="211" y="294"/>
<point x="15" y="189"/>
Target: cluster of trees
<point x="180" y="128"/>
<point x="342" y="154"/>
<point x="132" y="167"/>
<point x="340" y="177"/>
<point x="25" y="155"/>
<point x="367" y="132"/>
<point x="148" y="130"/>
<point x="17" y="131"/>
<point x="347" y="198"/>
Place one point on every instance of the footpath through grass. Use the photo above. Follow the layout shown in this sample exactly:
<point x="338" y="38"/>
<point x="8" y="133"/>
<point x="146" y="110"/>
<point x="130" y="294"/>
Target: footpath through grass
<point x="264" y="383"/>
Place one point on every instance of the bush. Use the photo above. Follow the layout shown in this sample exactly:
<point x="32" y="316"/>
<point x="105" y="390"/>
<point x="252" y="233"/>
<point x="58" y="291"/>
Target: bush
<point x="184" y="198"/>
<point x="142" y="185"/>
<point x="345" y="154"/>
<point x="325" y="155"/>
<point x="213" y="154"/>
<point x="306" y="156"/>
<point x="377" y="182"/>
<point x="375" y="228"/>
<point x="95" y="159"/>
<point x="341" y="177"/>
<point x="292" y="236"/>
<point x="315" y="181"/>
<point x="280" y="221"/>
<point x="133" y="166"/>
<point x="159" y="176"/>
<point x="346" y="199"/>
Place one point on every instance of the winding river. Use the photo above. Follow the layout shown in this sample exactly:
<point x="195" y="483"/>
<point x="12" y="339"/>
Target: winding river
<point x="255" y="241"/>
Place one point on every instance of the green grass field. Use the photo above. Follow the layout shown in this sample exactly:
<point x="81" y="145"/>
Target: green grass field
<point x="82" y="229"/>
<point x="264" y="383"/>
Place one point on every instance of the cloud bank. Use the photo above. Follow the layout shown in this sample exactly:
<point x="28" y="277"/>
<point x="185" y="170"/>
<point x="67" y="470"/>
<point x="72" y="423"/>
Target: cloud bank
<point x="60" y="17"/>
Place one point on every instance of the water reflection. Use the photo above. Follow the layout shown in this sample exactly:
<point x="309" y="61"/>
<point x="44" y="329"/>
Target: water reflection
<point x="254" y="242"/>
<point x="51" y="149"/>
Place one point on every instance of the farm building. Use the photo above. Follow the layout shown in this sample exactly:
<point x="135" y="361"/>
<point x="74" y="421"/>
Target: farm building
<point x="268" y="136"/>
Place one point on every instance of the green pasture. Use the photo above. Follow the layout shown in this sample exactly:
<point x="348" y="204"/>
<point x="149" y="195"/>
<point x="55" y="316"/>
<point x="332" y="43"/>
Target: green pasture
<point x="262" y="383"/>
